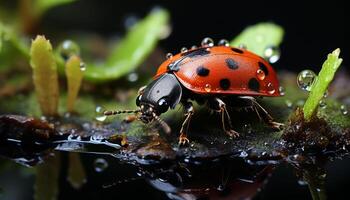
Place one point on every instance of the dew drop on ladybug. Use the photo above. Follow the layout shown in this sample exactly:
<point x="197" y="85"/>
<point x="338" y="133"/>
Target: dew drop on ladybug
<point x="223" y="42"/>
<point x="184" y="50"/>
<point x="194" y="47"/>
<point x="169" y="55"/>
<point x="207" y="87"/>
<point x="270" y="88"/>
<point x="260" y="74"/>
<point x="207" y="42"/>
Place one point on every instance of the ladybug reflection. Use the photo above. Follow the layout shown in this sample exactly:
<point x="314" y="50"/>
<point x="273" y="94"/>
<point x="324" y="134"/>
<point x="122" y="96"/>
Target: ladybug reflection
<point x="212" y="76"/>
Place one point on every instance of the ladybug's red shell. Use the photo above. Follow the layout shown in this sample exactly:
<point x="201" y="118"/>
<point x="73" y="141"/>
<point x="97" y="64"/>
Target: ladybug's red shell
<point x="223" y="70"/>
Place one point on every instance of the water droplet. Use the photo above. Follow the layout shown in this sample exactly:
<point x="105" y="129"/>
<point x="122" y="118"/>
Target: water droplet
<point x="243" y="154"/>
<point x="282" y="91"/>
<point x="289" y="103"/>
<point x="242" y="46"/>
<point x="302" y="183"/>
<point x="194" y="47"/>
<point x="133" y="77"/>
<point x="223" y="42"/>
<point x="207" y="87"/>
<point x="325" y="95"/>
<point x="260" y="74"/>
<point x="184" y="50"/>
<point x="306" y="79"/>
<point x="272" y="54"/>
<point x="82" y="66"/>
<point x="221" y="188"/>
<point x="169" y="55"/>
<point x="322" y="104"/>
<point x="270" y="88"/>
<point x="68" y="48"/>
<point x="100" y="165"/>
<point x="344" y="110"/>
<point x="99" y="114"/>
<point x="207" y="42"/>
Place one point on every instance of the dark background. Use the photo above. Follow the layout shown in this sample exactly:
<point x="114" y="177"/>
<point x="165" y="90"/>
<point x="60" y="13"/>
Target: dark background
<point x="312" y="29"/>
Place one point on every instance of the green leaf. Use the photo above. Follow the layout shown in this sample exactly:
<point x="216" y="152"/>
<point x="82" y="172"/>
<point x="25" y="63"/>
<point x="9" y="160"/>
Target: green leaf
<point x="41" y="6"/>
<point x="45" y="75"/>
<point x="132" y="50"/>
<point x="260" y="36"/>
<point x="10" y="36"/>
<point x="74" y="75"/>
<point x="320" y="86"/>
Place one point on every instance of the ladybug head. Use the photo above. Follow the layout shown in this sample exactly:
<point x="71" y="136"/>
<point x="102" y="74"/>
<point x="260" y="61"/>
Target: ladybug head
<point x="156" y="98"/>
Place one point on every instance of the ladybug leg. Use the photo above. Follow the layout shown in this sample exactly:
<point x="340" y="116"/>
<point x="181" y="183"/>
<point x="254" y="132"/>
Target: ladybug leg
<point x="224" y="112"/>
<point x="263" y="114"/>
<point x="189" y="111"/>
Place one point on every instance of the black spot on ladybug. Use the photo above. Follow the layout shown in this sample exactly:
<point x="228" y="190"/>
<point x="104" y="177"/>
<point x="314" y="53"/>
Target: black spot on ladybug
<point x="202" y="71"/>
<point x="197" y="52"/>
<point x="232" y="64"/>
<point x="263" y="68"/>
<point x="237" y="50"/>
<point x="225" y="84"/>
<point x="254" y="85"/>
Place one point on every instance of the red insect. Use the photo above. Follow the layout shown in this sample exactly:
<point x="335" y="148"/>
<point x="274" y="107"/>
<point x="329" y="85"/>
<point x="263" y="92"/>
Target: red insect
<point x="216" y="76"/>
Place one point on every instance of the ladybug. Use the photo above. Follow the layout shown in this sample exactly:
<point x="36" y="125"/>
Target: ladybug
<point x="214" y="76"/>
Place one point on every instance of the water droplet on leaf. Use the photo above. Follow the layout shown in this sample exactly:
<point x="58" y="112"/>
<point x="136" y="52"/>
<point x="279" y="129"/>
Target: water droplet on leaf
<point x="306" y="79"/>
<point x="100" y="165"/>
<point x="82" y="66"/>
<point x="207" y="42"/>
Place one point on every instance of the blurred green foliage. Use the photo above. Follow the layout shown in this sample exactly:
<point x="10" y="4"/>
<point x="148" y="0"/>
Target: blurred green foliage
<point x="260" y="36"/>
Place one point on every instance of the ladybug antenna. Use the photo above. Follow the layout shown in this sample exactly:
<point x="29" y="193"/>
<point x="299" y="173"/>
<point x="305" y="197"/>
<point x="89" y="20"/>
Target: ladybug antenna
<point x="164" y="125"/>
<point x="117" y="112"/>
